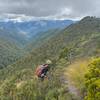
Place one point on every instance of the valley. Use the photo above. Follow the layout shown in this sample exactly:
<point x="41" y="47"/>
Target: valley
<point x="74" y="49"/>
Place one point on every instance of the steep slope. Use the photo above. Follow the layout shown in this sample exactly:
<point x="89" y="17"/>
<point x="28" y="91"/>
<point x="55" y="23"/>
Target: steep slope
<point x="11" y="45"/>
<point x="10" y="51"/>
<point x="26" y="30"/>
<point x="13" y="35"/>
<point x="42" y="38"/>
<point x="35" y="26"/>
<point x="17" y="34"/>
<point x="79" y="38"/>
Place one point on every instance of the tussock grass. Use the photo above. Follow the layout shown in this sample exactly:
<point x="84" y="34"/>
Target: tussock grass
<point x="75" y="75"/>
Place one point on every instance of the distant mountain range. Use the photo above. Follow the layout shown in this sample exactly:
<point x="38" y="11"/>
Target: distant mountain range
<point x="80" y="40"/>
<point x="14" y="36"/>
<point x="29" y="29"/>
<point x="83" y="38"/>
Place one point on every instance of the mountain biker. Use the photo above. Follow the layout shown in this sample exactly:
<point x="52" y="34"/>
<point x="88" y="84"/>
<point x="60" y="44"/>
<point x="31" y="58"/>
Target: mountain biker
<point x="41" y="71"/>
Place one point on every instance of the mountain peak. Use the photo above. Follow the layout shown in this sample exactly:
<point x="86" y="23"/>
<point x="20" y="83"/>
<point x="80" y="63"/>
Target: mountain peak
<point x="89" y="18"/>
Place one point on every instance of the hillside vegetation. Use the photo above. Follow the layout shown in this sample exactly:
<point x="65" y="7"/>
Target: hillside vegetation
<point x="78" y="41"/>
<point x="78" y="38"/>
<point x="92" y="81"/>
<point x="11" y="46"/>
<point x="9" y="52"/>
<point x="22" y="37"/>
<point x="42" y="38"/>
<point x="74" y="74"/>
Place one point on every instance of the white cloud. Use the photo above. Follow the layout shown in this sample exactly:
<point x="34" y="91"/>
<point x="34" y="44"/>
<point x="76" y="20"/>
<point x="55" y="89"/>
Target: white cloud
<point x="21" y="17"/>
<point x="15" y="17"/>
<point x="49" y="9"/>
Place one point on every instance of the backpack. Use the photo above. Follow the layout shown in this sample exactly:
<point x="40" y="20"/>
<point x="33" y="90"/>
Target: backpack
<point x="39" y="70"/>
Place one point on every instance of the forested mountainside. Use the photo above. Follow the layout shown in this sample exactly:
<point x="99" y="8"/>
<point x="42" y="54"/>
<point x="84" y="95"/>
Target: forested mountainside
<point x="42" y="38"/>
<point x="10" y="52"/>
<point x="79" y="37"/>
<point x="78" y="41"/>
<point x="15" y="36"/>
<point x="27" y="30"/>
<point x="11" y="45"/>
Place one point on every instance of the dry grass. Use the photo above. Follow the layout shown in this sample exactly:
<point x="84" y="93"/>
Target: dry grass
<point x="75" y="75"/>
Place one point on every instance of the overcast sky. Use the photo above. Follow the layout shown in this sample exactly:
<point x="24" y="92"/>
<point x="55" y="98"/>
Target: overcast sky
<point x="54" y="9"/>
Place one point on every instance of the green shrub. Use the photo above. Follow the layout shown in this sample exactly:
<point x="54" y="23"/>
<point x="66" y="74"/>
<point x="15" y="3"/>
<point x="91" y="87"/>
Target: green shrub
<point x="93" y="80"/>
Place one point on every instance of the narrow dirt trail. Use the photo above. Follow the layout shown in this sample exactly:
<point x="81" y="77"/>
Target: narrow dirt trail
<point x="73" y="76"/>
<point x="71" y="88"/>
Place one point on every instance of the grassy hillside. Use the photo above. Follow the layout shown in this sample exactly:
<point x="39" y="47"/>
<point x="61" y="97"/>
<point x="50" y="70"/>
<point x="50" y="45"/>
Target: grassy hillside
<point x="42" y="38"/>
<point x="80" y="40"/>
<point x="74" y="74"/>
<point x="9" y="52"/>
<point x="11" y="46"/>
<point x="77" y="38"/>
<point x="13" y="35"/>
